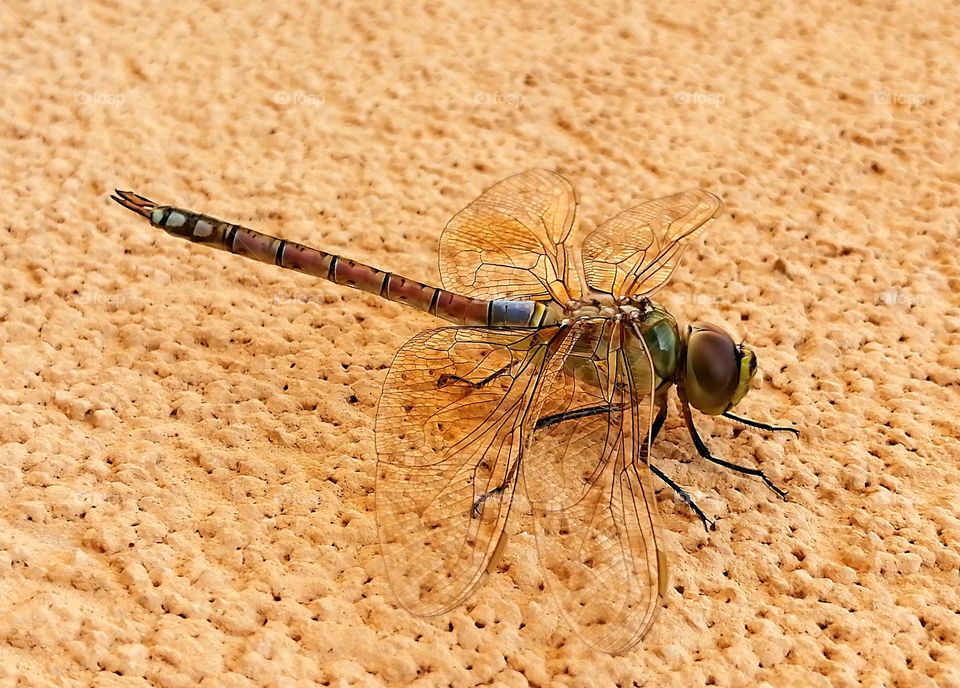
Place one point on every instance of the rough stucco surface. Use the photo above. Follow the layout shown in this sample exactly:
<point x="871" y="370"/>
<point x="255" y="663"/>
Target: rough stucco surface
<point x="186" y="448"/>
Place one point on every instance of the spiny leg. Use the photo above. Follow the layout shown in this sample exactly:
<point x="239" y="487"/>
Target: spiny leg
<point x="585" y="412"/>
<point x="544" y="422"/>
<point x="477" y="509"/>
<point x="708" y="525"/>
<point x="759" y="425"/>
<point x="446" y="379"/>
<point x="705" y="452"/>
<point x="658" y="422"/>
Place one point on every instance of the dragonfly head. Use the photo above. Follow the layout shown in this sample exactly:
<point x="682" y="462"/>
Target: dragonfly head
<point x="717" y="372"/>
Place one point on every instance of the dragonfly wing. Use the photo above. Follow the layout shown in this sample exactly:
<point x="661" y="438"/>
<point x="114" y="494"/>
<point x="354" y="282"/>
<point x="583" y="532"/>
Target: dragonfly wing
<point x="636" y="252"/>
<point x="510" y="242"/>
<point x="451" y="427"/>
<point x="593" y="504"/>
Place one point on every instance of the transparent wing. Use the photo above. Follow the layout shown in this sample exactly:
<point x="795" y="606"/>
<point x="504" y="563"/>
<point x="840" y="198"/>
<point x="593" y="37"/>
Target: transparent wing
<point x="591" y="496"/>
<point x="509" y="243"/>
<point x="451" y="424"/>
<point x="636" y="252"/>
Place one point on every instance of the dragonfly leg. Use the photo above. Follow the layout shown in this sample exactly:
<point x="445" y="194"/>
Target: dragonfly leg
<point x="658" y="421"/>
<point x="477" y="510"/>
<point x="585" y="412"/>
<point x="761" y="426"/>
<point x="705" y="452"/>
<point x="708" y="524"/>
<point x="446" y="379"/>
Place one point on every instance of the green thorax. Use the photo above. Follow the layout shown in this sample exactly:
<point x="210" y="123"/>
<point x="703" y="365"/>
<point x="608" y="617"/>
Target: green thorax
<point x="660" y="334"/>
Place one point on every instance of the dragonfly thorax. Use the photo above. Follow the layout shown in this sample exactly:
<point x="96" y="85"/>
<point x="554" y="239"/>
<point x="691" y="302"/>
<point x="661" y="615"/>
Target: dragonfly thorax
<point x="606" y="306"/>
<point x="642" y="331"/>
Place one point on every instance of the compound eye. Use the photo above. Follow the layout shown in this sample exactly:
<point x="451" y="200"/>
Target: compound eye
<point x="713" y="368"/>
<point x="714" y="359"/>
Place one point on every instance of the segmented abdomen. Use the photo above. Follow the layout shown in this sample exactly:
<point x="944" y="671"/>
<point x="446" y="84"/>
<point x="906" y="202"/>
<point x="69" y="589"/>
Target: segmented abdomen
<point x="247" y="242"/>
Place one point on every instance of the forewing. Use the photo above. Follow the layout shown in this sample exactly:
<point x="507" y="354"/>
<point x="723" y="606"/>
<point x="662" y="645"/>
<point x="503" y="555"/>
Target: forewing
<point x="509" y="243"/>
<point x="636" y="252"/>
<point x="444" y="441"/>
<point x="593" y="504"/>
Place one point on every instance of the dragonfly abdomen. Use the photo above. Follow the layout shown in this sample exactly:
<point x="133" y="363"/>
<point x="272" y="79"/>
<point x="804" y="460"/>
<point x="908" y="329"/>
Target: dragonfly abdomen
<point x="506" y="313"/>
<point x="243" y="241"/>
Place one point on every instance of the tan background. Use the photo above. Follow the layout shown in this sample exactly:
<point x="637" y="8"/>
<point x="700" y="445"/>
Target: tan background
<point x="187" y="454"/>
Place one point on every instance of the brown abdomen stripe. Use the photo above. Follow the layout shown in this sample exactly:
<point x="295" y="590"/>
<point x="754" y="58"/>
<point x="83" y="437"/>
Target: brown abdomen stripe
<point x="250" y="243"/>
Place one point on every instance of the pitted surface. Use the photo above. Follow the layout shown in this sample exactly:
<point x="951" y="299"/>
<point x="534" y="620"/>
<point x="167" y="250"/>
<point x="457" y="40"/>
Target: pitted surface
<point x="186" y="438"/>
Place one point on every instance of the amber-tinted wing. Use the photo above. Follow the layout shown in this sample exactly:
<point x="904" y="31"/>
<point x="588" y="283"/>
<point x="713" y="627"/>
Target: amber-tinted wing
<point x="451" y="426"/>
<point x="509" y="243"/>
<point x="592" y="500"/>
<point x="636" y="252"/>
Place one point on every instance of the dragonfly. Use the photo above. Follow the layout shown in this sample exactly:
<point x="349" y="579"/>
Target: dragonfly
<point x="545" y="395"/>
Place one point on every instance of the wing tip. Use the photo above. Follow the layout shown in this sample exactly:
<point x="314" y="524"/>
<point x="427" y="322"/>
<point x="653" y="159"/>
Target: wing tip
<point x="708" y="199"/>
<point x="717" y="202"/>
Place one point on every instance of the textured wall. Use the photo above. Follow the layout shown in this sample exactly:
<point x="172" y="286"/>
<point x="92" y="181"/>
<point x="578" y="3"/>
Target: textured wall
<point x="186" y="449"/>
